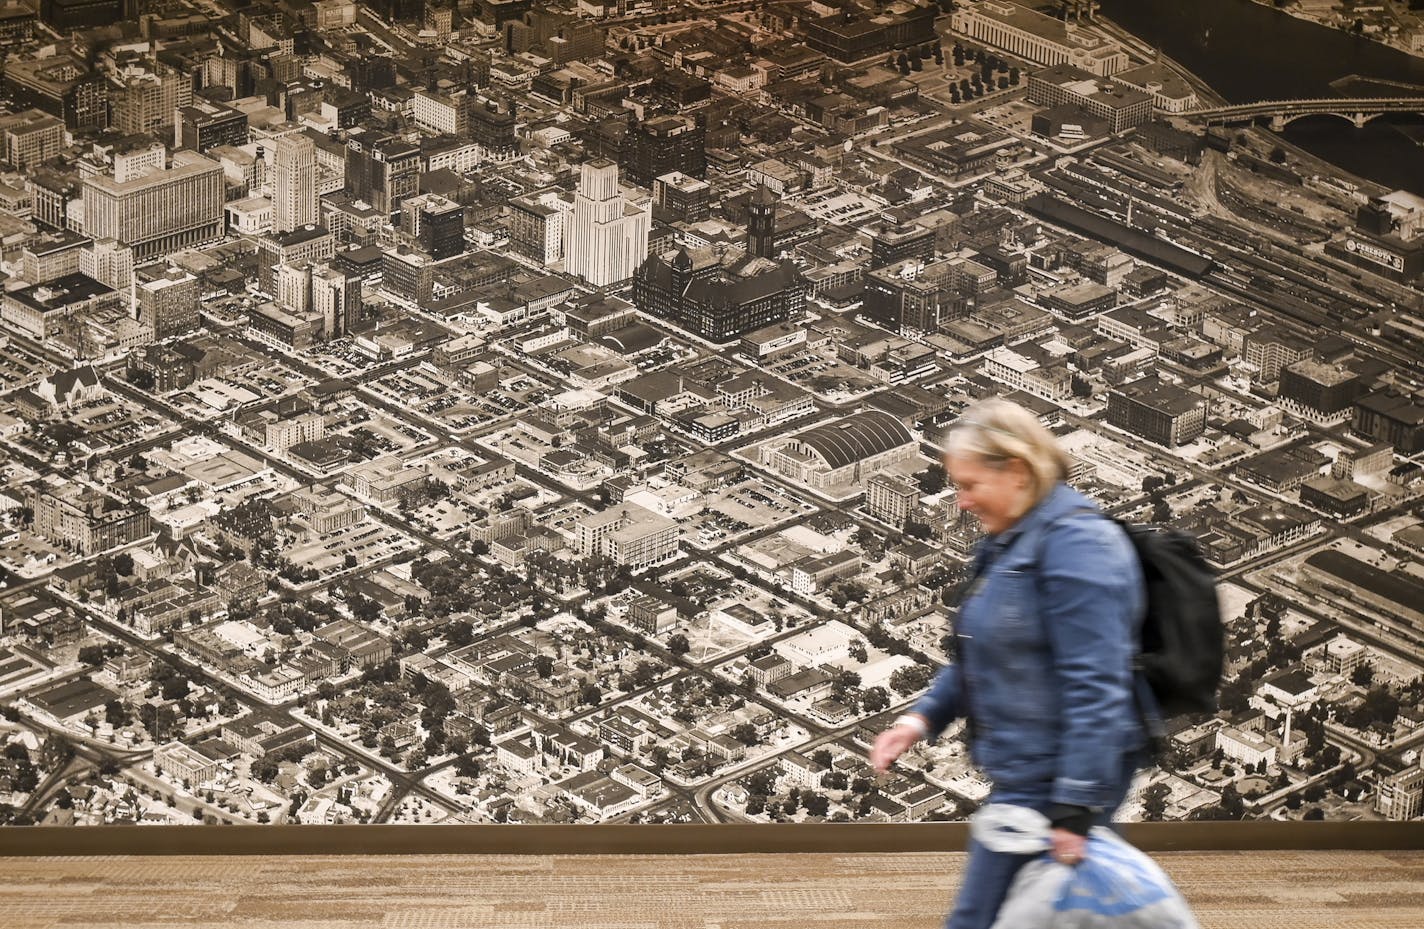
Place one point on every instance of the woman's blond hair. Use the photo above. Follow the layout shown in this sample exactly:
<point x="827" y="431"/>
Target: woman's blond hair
<point x="997" y="430"/>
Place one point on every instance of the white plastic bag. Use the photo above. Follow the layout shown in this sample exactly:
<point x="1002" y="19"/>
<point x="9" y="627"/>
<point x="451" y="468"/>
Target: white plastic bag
<point x="1115" y="887"/>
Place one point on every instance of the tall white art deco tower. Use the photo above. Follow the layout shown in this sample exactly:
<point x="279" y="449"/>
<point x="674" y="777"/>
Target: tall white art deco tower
<point x="294" y="187"/>
<point x="607" y="235"/>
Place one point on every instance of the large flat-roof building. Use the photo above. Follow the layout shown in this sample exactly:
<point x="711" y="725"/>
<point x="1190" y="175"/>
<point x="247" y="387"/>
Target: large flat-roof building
<point x="85" y="519"/>
<point x="1066" y="84"/>
<point x="159" y="212"/>
<point x="629" y="534"/>
<point x="1040" y="39"/>
<point x="30" y="137"/>
<point x="1392" y="416"/>
<point x="57" y="307"/>
<point x="1157" y="411"/>
<point x="852" y="36"/>
<point x="1318" y="391"/>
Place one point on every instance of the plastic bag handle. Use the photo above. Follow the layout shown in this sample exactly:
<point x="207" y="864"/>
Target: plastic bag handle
<point x="1013" y="830"/>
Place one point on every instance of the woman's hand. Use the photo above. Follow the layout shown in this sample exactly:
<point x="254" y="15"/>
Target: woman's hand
<point x="891" y="744"/>
<point x="1069" y="847"/>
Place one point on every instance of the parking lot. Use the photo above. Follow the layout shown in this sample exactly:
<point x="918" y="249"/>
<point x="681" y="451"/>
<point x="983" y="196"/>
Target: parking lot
<point x="740" y="509"/>
<point x="19" y="367"/>
<point x="435" y="396"/>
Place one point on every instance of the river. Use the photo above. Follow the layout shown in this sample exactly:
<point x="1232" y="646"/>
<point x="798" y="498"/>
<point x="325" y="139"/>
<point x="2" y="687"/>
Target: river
<point x="1249" y="52"/>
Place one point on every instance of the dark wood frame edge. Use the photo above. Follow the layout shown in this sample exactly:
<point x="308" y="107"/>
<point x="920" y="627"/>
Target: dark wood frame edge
<point x="666" y="839"/>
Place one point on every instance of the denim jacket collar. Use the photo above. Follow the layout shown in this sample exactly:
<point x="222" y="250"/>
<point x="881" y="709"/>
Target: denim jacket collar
<point x="1054" y="503"/>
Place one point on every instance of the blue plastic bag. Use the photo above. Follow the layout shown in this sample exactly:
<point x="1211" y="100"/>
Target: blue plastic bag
<point x="1115" y="887"/>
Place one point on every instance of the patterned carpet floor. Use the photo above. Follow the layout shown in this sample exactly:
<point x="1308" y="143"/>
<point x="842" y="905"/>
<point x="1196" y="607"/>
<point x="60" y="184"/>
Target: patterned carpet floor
<point x="1229" y="890"/>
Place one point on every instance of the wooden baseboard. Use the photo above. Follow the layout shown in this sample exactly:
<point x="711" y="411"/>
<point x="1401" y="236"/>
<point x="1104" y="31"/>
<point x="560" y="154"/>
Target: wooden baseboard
<point x="670" y="839"/>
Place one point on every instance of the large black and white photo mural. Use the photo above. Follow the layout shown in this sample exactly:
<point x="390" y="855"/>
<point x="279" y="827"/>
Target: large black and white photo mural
<point x="530" y="411"/>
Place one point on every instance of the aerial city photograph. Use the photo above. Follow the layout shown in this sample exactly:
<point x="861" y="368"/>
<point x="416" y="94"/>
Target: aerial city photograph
<point x="533" y="411"/>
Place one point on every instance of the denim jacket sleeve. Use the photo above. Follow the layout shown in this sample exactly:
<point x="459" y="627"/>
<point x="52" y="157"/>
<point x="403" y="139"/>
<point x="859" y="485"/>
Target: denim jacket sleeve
<point x="940" y="704"/>
<point x="1091" y="586"/>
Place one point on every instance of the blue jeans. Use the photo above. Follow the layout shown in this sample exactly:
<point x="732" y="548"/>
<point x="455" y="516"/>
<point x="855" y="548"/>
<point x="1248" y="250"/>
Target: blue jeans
<point x="988" y="875"/>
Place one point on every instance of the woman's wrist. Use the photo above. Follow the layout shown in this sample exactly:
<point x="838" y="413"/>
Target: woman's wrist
<point x="915" y="721"/>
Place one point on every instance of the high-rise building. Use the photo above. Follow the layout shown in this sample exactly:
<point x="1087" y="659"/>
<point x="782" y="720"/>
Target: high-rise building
<point x="109" y="262"/>
<point x="294" y="287"/>
<point x="1157" y="411"/>
<point x="30" y="137"/>
<point x="204" y="124"/>
<point x="895" y="242"/>
<point x="294" y="183"/>
<point x="136" y="157"/>
<point x="436" y="223"/>
<point x="679" y="197"/>
<point x="891" y="498"/>
<point x="491" y="125"/>
<point x="148" y="97"/>
<point x="309" y="243"/>
<point x="719" y="294"/>
<point x="608" y="233"/>
<point x="159" y="212"/>
<point x="68" y="15"/>
<point x="537" y="224"/>
<point x="63" y="86"/>
<point x="382" y="172"/>
<point x="337" y="297"/>
<point x="1317" y="391"/>
<point x="51" y="255"/>
<point x="168" y="303"/>
<point x="657" y="146"/>
<point x="761" y="223"/>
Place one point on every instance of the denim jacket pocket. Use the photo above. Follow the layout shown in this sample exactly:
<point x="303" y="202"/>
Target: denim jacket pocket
<point x="1014" y="607"/>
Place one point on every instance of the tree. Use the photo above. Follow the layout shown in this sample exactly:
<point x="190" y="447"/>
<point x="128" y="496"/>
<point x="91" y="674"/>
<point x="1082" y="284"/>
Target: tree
<point x="544" y="666"/>
<point x="903" y="63"/>
<point x="817" y="804"/>
<point x="875" y="699"/>
<point x="909" y="680"/>
<point x="1161" y="511"/>
<point x="1363" y="675"/>
<point x="678" y="644"/>
<point x="124" y="564"/>
<point x="932" y="479"/>
<point x="1278" y="155"/>
<point x="1154" y="801"/>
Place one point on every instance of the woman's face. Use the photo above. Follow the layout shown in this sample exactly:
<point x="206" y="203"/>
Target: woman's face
<point x="997" y="495"/>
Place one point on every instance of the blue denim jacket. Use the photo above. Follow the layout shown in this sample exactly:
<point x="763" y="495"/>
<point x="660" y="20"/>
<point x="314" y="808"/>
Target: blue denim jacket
<point x="1047" y="639"/>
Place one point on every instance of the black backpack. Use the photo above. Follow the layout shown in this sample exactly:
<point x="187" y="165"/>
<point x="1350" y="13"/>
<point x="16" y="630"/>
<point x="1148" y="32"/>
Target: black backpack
<point x="1183" y="637"/>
